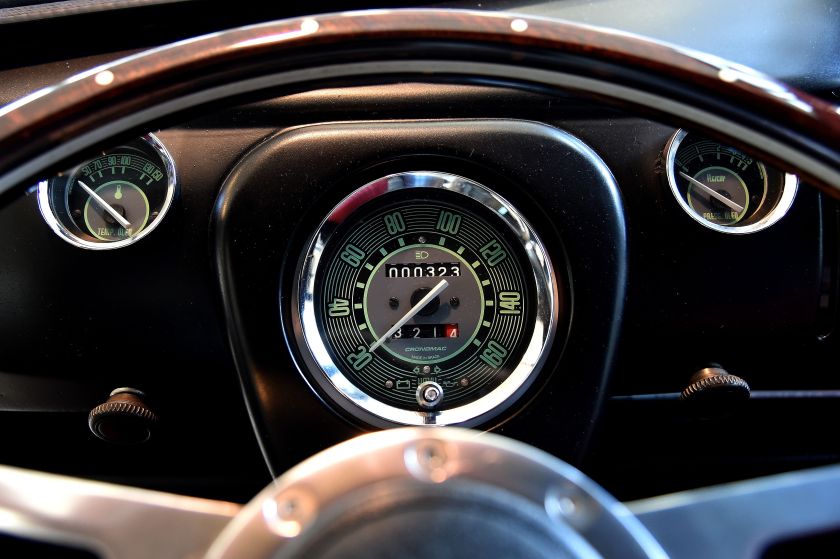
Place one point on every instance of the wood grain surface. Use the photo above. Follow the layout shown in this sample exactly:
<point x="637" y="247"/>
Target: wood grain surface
<point x="41" y="123"/>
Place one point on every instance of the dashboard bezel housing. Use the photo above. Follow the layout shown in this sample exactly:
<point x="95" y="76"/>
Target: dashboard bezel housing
<point x="306" y="171"/>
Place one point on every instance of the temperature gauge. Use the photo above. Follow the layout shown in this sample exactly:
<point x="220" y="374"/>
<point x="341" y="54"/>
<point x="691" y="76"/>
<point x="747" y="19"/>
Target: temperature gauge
<point x="113" y="200"/>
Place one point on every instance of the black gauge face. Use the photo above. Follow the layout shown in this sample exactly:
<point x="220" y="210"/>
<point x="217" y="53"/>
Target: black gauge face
<point x="723" y="188"/>
<point x="112" y="200"/>
<point x="382" y="268"/>
<point x="426" y="302"/>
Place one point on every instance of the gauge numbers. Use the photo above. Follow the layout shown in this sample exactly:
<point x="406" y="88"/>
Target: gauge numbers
<point x="429" y="306"/>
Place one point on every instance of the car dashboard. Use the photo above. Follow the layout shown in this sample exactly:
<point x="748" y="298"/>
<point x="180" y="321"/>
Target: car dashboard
<point x="625" y="280"/>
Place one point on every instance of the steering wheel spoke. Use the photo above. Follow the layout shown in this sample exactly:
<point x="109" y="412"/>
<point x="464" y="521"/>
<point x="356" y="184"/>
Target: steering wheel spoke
<point x="111" y="520"/>
<point x="741" y="519"/>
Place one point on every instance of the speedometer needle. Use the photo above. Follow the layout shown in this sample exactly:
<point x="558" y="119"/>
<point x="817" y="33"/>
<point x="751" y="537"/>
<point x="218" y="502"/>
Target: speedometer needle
<point x="105" y="205"/>
<point x="437" y="290"/>
<point x="734" y="206"/>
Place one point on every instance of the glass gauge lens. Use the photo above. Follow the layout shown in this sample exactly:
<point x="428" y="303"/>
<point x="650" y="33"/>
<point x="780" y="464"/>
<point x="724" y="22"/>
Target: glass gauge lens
<point x="112" y="200"/>
<point x="723" y="188"/>
<point x="426" y="299"/>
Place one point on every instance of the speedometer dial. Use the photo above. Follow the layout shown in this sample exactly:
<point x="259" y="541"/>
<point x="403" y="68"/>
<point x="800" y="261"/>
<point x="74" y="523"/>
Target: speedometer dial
<point x="426" y="298"/>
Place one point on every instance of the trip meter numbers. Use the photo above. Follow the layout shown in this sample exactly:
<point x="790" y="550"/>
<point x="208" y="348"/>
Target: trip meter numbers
<point x="432" y="302"/>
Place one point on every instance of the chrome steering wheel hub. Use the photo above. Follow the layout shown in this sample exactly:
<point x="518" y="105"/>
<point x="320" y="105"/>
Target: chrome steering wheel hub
<point x="449" y="492"/>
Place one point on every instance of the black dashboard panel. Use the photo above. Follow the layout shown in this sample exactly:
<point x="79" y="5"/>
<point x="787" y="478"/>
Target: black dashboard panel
<point x="761" y="305"/>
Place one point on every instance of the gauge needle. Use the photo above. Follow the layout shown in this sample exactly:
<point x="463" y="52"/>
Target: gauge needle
<point x="734" y="206"/>
<point x="437" y="290"/>
<point x="107" y="207"/>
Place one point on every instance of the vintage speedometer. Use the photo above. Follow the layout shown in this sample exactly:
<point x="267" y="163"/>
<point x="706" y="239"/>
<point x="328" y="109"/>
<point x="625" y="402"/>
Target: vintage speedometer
<point x="425" y="299"/>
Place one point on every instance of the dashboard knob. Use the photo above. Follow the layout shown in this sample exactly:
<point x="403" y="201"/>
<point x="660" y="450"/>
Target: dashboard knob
<point x="714" y="385"/>
<point x="124" y="419"/>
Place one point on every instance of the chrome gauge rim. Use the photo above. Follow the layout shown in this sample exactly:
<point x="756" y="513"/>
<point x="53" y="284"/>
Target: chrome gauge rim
<point x="65" y="233"/>
<point x="540" y="334"/>
<point x="778" y="211"/>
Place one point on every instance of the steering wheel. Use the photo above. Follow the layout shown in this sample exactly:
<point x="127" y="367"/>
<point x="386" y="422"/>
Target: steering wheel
<point x="442" y="491"/>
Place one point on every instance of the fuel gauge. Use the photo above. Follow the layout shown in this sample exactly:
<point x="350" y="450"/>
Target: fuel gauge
<point x="723" y="188"/>
<point x="112" y="200"/>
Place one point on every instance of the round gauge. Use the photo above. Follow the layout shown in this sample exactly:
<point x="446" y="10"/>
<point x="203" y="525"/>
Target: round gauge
<point x="112" y="200"/>
<point x="723" y="188"/>
<point x="425" y="299"/>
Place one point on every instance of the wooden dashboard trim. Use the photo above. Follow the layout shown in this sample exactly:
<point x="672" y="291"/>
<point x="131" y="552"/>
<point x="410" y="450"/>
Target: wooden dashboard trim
<point x="45" y="119"/>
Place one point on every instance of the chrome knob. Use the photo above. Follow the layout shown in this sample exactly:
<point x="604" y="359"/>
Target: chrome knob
<point x="429" y="394"/>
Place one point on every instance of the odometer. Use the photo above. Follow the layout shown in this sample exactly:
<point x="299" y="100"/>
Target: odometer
<point x="426" y="299"/>
<point x="422" y="269"/>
